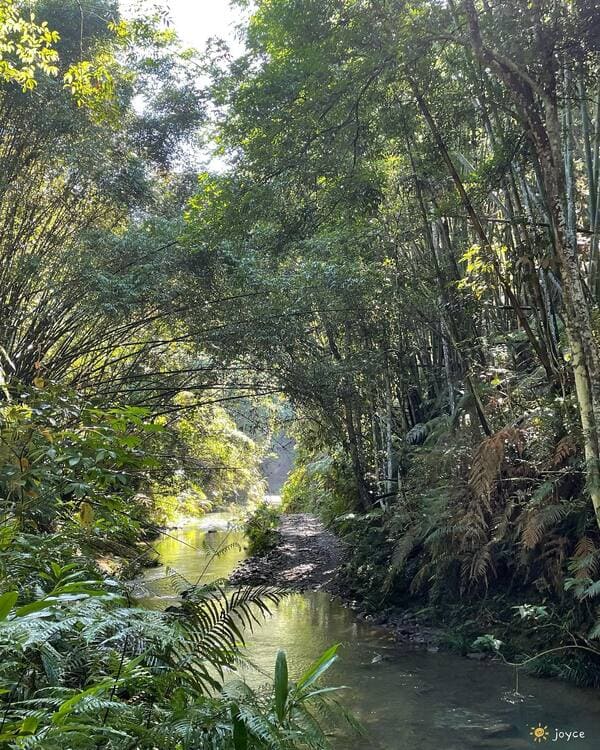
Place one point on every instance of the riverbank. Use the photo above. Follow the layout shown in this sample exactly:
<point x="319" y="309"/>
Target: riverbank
<point x="309" y="557"/>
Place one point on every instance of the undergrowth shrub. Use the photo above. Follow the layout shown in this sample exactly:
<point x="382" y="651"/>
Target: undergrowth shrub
<point x="323" y="486"/>
<point x="260" y="528"/>
<point x="504" y="511"/>
<point x="81" y="668"/>
<point x="364" y="572"/>
<point x="67" y="463"/>
<point x="485" y="524"/>
<point x="180" y="498"/>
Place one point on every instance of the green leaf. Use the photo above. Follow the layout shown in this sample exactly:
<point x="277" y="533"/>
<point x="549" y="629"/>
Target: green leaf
<point x="323" y="691"/>
<point x="281" y="684"/>
<point x="29" y="725"/>
<point x="28" y="609"/>
<point x="65" y="709"/>
<point x="79" y="587"/>
<point x="7" y="602"/>
<point x="318" y="667"/>
<point x="240" y="733"/>
<point x="65" y="595"/>
<point x="56" y="569"/>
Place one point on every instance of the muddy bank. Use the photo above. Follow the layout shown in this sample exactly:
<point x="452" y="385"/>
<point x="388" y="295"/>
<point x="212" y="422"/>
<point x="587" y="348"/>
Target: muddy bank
<point x="307" y="557"/>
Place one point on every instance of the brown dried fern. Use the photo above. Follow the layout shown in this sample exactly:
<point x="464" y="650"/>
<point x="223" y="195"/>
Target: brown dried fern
<point x="480" y="568"/>
<point x="539" y="521"/>
<point x="489" y="457"/>
<point x="585" y="558"/>
<point x="565" y="448"/>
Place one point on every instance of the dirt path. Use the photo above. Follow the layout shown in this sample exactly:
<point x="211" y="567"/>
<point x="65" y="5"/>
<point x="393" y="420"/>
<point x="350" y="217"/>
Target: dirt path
<point x="307" y="557"/>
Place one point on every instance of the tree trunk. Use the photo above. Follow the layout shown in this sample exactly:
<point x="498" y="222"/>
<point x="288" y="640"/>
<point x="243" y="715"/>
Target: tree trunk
<point x="389" y="449"/>
<point x="358" y="468"/>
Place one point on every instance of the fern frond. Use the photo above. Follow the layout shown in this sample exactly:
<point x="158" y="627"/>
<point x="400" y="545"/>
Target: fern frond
<point x="539" y="521"/>
<point x="482" y="565"/>
<point x="591" y="591"/>
<point x="489" y="457"/>
<point x="213" y="623"/>
<point x="565" y="448"/>
<point x="585" y="558"/>
<point x="401" y="553"/>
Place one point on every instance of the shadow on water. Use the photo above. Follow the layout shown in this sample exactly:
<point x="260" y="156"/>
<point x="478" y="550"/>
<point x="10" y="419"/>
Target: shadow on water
<point x="407" y="700"/>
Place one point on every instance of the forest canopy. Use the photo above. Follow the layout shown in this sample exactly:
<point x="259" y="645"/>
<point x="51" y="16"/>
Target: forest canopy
<point x="393" y="256"/>
<point x="412" y="204"/>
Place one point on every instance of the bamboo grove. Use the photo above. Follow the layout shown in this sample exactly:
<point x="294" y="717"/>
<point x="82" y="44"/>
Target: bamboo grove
<point x="115" y="415"/>
<point x="412" y="201"/>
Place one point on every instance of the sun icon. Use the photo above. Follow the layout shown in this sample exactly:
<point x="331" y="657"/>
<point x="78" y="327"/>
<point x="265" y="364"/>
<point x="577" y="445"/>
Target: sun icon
<point x="539" y="733"/>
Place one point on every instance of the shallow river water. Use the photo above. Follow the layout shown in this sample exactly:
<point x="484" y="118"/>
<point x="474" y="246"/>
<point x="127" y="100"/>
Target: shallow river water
<point x="405" y="699"/>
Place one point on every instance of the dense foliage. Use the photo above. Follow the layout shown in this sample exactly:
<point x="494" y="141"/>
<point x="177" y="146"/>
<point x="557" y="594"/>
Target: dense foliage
<point x="402" y="244"/>
<point x="81" y="668"/>
<point x="261" y="529"/>
<point x="116" y="415"/>
<point x="412" y="214"/>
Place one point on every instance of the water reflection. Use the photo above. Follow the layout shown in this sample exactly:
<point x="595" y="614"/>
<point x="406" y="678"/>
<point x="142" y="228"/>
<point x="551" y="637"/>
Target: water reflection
<point x="407" y="700"/>
<point x="205" y="550"/>
<point x="411" y="699"/>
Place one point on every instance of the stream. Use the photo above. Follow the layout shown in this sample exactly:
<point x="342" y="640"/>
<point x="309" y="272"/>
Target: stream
<point x="405" y="699"/>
